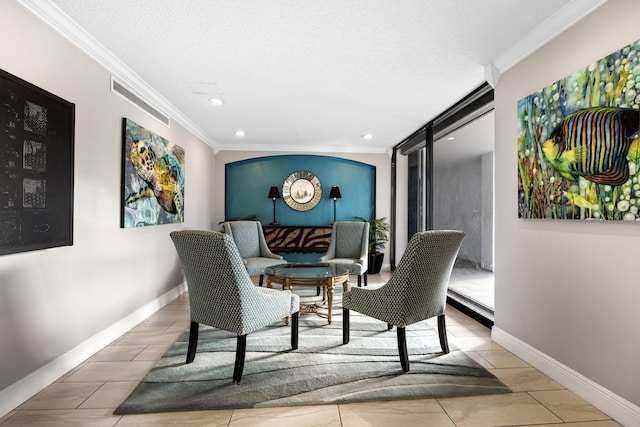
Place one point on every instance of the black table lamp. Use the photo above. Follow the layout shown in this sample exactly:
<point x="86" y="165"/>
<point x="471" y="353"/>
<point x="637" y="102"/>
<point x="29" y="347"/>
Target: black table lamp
<point x="335" y="194"/>
<point x="273" y="195"/>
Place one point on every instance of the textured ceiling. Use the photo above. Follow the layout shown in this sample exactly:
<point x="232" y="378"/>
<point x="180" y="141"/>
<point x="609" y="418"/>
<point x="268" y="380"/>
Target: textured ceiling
<point x="310" y="75"/>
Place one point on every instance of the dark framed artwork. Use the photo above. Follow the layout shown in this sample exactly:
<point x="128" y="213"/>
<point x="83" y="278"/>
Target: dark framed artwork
<point x="152" y="179"/>
<point x="36" y="167"/>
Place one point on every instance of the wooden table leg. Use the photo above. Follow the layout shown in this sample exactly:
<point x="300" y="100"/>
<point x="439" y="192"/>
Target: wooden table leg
<point x="330" y="287"/>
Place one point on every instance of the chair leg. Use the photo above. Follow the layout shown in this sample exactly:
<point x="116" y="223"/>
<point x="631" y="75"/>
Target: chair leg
<point x="294" y="330"/>
<point x="359" y="281"/>
<point x="365" y="279"/>
<point x="389" y="326"/>
<point x="402" y="349"/>
<point x="345" y="325"/>
<point x="260" y="280"/>
<point x="193" y="342"/>
<point x="317" y="291"/>
<point x="442" y="333"/>
<point x="241" y="349"/>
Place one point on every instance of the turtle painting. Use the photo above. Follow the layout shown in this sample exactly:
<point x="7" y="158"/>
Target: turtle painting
<point x="154" y="179"/>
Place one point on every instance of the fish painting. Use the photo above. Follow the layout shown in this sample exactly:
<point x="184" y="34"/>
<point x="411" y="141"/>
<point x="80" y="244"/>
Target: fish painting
<point x="594" y="143"/>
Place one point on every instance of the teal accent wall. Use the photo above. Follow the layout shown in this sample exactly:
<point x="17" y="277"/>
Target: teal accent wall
<point x="247" y="184"/>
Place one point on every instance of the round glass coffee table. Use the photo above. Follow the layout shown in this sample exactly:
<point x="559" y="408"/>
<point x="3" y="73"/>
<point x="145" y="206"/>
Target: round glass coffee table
<point x="325" y="275"/>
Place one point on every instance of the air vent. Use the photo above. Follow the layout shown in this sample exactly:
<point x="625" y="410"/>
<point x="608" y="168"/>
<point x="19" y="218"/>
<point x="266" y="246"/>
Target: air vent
<point x="118" y="88"/>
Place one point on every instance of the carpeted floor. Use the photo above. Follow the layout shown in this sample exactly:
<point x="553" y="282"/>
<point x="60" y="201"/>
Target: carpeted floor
<point x="321" y="371"/>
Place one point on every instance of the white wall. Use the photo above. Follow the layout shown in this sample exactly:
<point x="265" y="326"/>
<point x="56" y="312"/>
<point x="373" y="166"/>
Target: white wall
<point x="567" y="289"/>
<point x="52" y="300"/>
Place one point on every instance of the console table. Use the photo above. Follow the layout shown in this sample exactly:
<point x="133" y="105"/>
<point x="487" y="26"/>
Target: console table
<point x="297" y="238"/>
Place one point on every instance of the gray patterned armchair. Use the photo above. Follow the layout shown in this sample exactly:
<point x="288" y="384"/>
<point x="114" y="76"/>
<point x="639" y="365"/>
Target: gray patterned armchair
<point x="416" y="291"/>
<point x="222" y="295"/>
<point x="349" y="245"/>
<point x="255" y="253"/>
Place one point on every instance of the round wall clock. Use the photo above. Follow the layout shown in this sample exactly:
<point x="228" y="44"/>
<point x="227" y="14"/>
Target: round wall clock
<point x="302" y="190"/>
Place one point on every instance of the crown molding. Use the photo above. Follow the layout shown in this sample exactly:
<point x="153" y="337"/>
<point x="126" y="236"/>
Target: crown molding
<point x="564" y="18"/>
<point x="321" y="148"/>
<point x="48" y="12"/>
<point x="63" y="24"/>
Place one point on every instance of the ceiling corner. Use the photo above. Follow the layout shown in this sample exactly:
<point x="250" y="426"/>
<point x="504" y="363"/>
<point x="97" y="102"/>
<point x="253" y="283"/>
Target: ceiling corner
<point x="68" y="28"/>
<point x="568" y="15"/>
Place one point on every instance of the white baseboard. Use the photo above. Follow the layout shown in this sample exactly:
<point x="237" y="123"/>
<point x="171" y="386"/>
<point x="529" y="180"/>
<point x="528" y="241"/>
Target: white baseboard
<point x="19" y="392"/>
<point x="618" y="408"/>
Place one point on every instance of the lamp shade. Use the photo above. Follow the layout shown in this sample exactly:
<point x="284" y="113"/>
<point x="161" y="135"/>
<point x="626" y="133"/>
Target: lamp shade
<point x="335" y="192"/>
<point x="274" y="193"/>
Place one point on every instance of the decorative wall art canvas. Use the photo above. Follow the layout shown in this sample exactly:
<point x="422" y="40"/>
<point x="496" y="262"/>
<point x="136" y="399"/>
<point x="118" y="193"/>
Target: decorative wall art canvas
<point x="153" y="178"/>
<point x="36" y="167"/>
<point x="578" y="145"/>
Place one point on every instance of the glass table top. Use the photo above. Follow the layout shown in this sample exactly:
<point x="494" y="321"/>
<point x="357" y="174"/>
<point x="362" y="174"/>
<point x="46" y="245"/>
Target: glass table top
<point x="306" y="270"/>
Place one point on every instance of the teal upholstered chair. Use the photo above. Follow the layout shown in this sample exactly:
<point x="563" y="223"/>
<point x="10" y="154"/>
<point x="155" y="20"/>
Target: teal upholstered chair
<point x="349" y="245"/>
<point x="417" y="289"/>
<point x="255" y="253"/>
<point x="222" y="295"/>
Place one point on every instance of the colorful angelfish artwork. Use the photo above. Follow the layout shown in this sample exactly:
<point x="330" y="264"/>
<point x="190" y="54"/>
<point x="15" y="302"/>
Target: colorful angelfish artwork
<point x="153" y="184"/>
<point x="579" y="143"/>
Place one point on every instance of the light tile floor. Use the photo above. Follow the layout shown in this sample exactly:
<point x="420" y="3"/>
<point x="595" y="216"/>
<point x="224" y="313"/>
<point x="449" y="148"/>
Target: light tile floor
<point x="88" y="395"/>
<point x="475" y="284"/>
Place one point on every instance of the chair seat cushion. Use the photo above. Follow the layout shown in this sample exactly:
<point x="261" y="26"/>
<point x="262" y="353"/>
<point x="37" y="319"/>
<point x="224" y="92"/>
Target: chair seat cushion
<point x="257" y="264"/>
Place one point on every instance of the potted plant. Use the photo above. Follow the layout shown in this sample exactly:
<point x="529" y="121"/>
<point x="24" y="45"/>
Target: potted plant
<point x="378" y="238"/>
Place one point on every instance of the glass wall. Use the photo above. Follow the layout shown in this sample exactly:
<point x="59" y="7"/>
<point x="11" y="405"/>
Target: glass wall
<point x="463" y="200"/>
<point x="445" y="171"/>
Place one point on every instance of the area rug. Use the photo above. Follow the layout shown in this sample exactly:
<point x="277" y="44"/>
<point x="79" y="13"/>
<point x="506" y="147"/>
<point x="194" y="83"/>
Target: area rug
<point x="320" y="371"/>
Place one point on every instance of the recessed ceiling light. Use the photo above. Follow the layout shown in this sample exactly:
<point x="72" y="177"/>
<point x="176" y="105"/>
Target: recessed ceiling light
<point x="451" y="138"/>
<point x="240" y="133"/>
<point x="215" y="101"/>
<point x="367" y="136"/>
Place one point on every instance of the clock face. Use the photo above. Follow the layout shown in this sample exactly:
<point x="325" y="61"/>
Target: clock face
<point x="302" y="191"/>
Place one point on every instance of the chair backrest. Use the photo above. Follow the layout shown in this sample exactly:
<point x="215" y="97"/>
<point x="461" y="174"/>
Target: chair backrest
<point x="216" y="276"/>
<point x="422" y="276"/>
<point x="351" y="238"/>
<point x="246" y="235"/>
